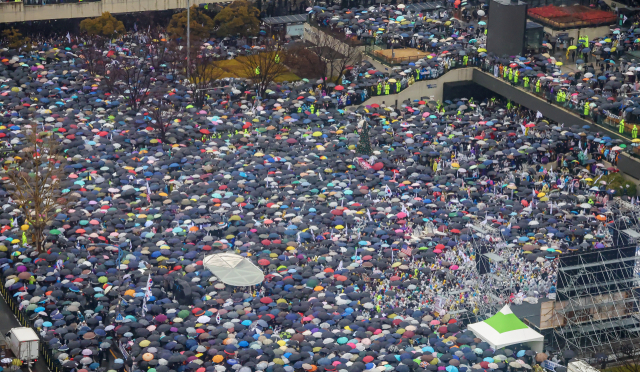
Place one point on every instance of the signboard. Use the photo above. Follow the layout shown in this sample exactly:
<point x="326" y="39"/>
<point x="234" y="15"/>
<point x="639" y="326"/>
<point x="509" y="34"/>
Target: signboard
<point x="363" y="163"/>
<point x="551" y="366"/>
<point x="612" y="116"/>
<point x="295" y="30"/>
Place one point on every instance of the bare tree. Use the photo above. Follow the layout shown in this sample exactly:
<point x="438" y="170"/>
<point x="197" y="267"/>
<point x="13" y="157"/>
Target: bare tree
<point x="35" y="184"/>
<point x="204" y="74"/>
<point x="130" y="77"/>
<point x="336" y="54"/>
<point x="162" y="112"/>
<point x="265" y="67"/>
<point x="629" y="355"/>
<point x="92" y="56"/>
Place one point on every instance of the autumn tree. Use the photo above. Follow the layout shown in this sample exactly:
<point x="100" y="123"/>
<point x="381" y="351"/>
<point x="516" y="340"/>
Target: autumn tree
<point x="34" y="184"/>
<point x="14" y="38"/>
<point x="200" y="24"/>
<point x="265" y="67"/>
<point x="105" y="25"/>
<point x="238" y="18"/>
<point x="303" y="61"/>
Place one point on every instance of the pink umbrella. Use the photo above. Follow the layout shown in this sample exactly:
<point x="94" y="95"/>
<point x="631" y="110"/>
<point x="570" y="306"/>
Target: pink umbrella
<point x="454" y="267"/>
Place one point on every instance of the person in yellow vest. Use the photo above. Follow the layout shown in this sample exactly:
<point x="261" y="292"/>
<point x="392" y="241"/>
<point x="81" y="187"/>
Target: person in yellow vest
<point x="634" y="132"/>
<point x="386" y="88"/>
<point x="621" y="127"/>
<point x="586" y="110"/>
<point x="538" y="86"/>
<point x="515" y="77"/>
<point x="379" y="89"/>
<point x="526" y="82"/>
<point x="257" y="71"/>
<point x="511" y="75"/>
<point x="277" y="58"/>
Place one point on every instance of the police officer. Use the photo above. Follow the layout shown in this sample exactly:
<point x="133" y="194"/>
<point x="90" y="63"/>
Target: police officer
<point x="538" y="86"/>
<point x="621" y="127"/>
<point x="634" y="132"/>
<point x="526" y="81"/>
<point x="586" y="109"/>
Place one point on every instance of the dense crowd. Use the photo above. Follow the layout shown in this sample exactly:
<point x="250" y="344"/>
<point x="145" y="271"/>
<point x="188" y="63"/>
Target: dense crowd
<point x="365" y="220"/>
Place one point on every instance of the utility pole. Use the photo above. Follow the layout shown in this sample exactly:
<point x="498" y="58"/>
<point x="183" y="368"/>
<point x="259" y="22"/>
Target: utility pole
<point x="188" y="37"/>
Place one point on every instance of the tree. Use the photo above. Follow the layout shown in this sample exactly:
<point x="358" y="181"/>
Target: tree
<point x="200" y="24"/>
<point x="204" y="73"/>
<point x="629" y="356"/>
<point x="364" y="144"/>
<point x="264" y="68"/>
<point x="162" y="112"/>
<point x="35" y="183"/>
<point x="14" y="38"/>
<point x="334" y="53"/>
<point x="238" y="18"/>
<point x="304" y="62"/>
<point x="94" y="61"/>
<point x="105" y="25"/>
<point x="130" y="77"/>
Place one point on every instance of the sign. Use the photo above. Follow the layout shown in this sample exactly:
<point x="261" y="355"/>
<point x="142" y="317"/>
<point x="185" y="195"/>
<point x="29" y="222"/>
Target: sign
<point x="295" y="30"/>
<point x="551" y="366"/>
<point x="432" y="86"/>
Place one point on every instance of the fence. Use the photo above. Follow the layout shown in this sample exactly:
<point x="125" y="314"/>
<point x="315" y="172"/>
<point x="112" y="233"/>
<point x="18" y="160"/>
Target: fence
<point x="45" y="354"/>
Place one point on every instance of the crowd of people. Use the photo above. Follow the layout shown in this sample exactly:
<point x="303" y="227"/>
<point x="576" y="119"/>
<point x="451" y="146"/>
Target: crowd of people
<point x="365" y="220"/>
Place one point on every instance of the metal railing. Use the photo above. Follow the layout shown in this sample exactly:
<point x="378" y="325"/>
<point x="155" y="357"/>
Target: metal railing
<point x="21" y="315"/>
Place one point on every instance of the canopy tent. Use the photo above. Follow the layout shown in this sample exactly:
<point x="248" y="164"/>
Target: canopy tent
<point x="504" y="329"/>
<point x="233" y="269"/>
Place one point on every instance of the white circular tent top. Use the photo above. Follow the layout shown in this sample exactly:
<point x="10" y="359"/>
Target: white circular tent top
<point x="233" y="269"/>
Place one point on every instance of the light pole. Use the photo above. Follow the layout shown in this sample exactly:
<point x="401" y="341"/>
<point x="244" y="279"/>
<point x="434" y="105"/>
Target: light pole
<point x="188" y="36"/>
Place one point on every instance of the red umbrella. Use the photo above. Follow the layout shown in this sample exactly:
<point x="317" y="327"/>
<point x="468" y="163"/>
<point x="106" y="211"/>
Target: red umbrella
<point x="264" y="262"/>
<point x="339" y="87"/>
<point x="266" y="300"/>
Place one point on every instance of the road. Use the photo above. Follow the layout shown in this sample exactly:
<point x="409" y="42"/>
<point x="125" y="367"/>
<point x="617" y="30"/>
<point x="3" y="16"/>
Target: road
<point x="8" y="321"/>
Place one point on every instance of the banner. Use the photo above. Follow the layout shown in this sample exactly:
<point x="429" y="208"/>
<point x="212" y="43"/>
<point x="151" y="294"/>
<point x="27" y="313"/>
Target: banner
<point x="610" y="115"/>
<point x="551" y="366"/>
<point x="363" y="163"/>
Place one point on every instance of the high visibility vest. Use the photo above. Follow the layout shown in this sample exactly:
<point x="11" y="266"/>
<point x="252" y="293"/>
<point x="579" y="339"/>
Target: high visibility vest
<point x="277" y="58"/>
<point x="526" y="82"/>
<point x="586" y="109"/>
<point x="538" y="86"/>
<point x="621" y="128"/>
<point x="257" y="71"/>
<point x="634" y="132"/>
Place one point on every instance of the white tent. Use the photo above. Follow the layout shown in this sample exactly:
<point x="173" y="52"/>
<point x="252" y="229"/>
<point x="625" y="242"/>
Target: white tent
<point x="504" y="329"/>
<point x="233" y="269"/>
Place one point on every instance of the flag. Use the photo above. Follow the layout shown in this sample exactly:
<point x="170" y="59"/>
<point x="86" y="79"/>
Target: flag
<point x="148" y="192"/>
<point x="387" y="191"/>
<point x="68" y="37"/>
<point x="218" y="318"/>
<point x="538" y="115"/>
<point x="340" y="267"/>
<point x="59" y="265"/>
<point x="135" y="26"/>
<point x="406" y="251"/>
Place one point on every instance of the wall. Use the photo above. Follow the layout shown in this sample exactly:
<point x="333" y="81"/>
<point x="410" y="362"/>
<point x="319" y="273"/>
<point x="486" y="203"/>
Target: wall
<point x="431" y="89"/>
<point x="629" y="166"/>
<point x="311" y="35"/>
<point x="18" y="12"/>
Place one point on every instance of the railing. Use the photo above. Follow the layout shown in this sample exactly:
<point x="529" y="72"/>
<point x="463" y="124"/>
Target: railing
<point x="45" y="354"/>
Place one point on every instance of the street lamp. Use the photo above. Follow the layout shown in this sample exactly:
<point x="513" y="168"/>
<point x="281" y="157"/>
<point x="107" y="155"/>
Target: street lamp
<point x="188" y="36"/>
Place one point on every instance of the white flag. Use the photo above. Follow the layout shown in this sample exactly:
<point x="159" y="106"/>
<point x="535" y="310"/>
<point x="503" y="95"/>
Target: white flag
<point x="68" y="37"/>
<point x="538" y="115"/>
<point x="387" y="191"/>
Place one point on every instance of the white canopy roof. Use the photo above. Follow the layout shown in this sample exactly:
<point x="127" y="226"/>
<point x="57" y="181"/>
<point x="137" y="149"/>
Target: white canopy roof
<point x="233" y="269"/>
<point x="504" y="329"/>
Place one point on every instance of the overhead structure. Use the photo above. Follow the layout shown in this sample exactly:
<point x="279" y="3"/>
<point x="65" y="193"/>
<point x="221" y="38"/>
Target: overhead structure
<point x="504" y="329"/>
<point x="233" y="269"/>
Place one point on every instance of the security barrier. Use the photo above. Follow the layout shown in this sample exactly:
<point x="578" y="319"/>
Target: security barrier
<point x="45" y="354"/>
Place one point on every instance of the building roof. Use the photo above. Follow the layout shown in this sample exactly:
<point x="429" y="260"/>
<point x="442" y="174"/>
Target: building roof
<point x="296" y="18"/>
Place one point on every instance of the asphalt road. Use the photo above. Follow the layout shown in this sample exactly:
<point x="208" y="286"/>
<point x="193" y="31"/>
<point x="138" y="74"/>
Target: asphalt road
<point x="8" y="321"/>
